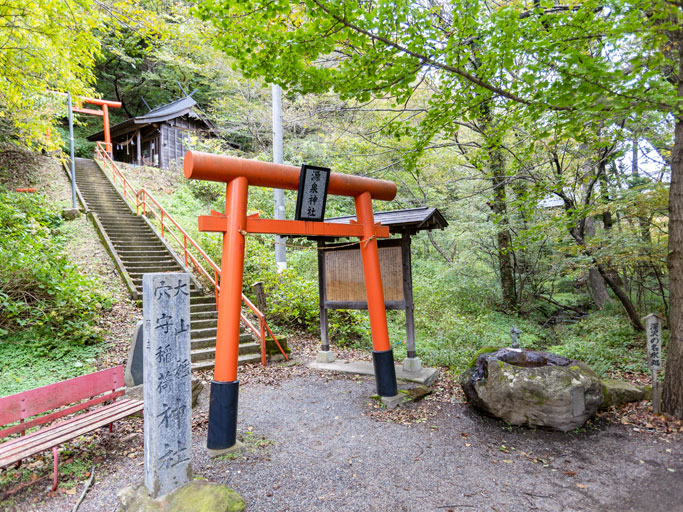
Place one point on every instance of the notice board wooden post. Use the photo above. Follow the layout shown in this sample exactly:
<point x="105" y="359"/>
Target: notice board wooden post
<point x="408" y="295"/>
<point x="324" y="323"/>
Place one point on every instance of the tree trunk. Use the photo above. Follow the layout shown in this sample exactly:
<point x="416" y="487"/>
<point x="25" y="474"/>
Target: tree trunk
<point x="499" y="206"/>
<point x="596" y="284"/>
<point x="672" y="399"/>
<point x="597" y="288"/>
<point x="503" y="237"/>
<point x="623" y="298"/>
<point x="621" y="295"/>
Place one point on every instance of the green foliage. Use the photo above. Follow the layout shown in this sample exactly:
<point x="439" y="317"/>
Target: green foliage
<point x="45" y="302"/>
<point x="24" y="368"/>
<point x="47" y="44"/>
<point x="605" y="342"/>
<point x="499" y="79"/>
<point x="293" y="294"/>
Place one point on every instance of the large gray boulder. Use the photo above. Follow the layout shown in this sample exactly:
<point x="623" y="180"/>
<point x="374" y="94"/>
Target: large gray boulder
<point x="533" y="388"/>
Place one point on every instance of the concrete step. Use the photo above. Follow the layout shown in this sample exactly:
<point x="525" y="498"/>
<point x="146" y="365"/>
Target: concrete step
<point x="208" y="364"/>
<point x="145" y="261"/>
<point x="203" y="333"/>
<point x="142" y="237"/>
<point x="245" y="339"/>
<point x="140" y="241"/>
<point x="137" y="276"/>
<point x="109" y="204"/>
<point x="204" y="323"/>
<point x="124" y="226"/>
<point x="130" y="231"/>
<point x="148" y="245"/>
<point x="94" y="186"/>
<point x="202" y="308"/>
<point x="133" y="254"/>
<point x="130" y="218"/>
<point x="133" y="234"/>
<point x="134" y="264"/>
<point x="203" y="315"/>
<point x="199" y="354"/>
<point x="203" y="299"/>
<point x="150" y="269"/>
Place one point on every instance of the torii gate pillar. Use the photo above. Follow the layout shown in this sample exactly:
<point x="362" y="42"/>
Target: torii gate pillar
<point x="239" y="174"/>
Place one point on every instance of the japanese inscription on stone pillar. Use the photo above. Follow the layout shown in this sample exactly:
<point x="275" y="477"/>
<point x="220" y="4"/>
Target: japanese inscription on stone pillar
<point x="653" y="329"/>
<point x="168" y="387"/>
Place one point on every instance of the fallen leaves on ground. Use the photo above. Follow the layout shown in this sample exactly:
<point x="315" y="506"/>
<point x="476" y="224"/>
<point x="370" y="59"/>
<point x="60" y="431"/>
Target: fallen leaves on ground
<point x="445" y="390"/>
<point x="639" y="417"/>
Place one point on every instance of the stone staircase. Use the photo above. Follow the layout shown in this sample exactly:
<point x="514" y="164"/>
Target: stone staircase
<point x="136" y="249"/>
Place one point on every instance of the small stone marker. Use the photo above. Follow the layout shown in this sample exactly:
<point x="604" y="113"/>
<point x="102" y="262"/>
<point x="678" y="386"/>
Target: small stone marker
<point x="167" y="390"/>
<point x="133" y="376"/>
<point x="653" y="330"/>
<point x="260" y="291"/>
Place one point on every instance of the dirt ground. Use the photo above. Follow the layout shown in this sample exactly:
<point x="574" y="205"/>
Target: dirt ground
<point x="317" y="441"/>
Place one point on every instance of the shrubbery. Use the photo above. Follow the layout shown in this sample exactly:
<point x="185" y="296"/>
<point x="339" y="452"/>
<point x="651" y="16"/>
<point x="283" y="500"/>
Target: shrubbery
<point x="456" y="305"/>
<point x="45" y="302"/>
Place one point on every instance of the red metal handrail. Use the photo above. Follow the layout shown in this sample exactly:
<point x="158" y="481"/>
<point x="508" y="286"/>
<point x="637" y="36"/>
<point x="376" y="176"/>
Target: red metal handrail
<point x="143" y="198"/>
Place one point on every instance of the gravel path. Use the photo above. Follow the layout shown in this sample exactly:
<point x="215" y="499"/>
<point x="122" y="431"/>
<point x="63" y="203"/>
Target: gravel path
<point x="312" y="443"/>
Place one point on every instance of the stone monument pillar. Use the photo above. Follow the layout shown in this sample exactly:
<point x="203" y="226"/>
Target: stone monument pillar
<point x="167" y="389"/>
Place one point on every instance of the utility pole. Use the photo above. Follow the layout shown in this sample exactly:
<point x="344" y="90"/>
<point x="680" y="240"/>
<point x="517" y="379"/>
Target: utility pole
<point x="71" y="145"/>
<point x="278" y="194"/>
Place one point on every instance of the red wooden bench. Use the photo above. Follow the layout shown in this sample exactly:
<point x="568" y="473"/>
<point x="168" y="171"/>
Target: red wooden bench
<point x="48" y="403"/>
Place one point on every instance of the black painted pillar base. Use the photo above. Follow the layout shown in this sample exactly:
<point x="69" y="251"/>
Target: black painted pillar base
<point x="223" y="415"/>
<point x="385" y="372"/>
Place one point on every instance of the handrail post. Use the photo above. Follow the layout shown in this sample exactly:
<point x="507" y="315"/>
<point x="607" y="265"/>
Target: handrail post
<point x="215" y="280"/>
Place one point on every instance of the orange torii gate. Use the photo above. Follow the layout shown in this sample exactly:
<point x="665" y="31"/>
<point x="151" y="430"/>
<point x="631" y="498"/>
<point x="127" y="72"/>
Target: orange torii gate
<point x="104" y="113"/>
<point x="238" y="174"/>
<point x="105" y="104"/>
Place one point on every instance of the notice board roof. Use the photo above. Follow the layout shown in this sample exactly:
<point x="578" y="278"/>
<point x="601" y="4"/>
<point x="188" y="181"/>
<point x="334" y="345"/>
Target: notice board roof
<point x="410" y="220"/>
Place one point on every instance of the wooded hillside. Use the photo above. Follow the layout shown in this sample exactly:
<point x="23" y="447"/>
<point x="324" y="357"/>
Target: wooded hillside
<point x="550" y="136"/>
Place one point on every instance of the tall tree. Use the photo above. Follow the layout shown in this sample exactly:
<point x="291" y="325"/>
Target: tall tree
<point x="592" y="62"/>
<point x="44" y="45"/>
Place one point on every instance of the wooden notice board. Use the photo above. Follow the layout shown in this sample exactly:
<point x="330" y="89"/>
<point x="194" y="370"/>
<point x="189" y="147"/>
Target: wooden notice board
<point x="344" y="283"/>
<point x="344" y="275"/>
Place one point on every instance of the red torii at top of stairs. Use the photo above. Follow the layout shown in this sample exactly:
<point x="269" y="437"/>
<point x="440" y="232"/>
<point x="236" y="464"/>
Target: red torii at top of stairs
<point x="105" y="104"/>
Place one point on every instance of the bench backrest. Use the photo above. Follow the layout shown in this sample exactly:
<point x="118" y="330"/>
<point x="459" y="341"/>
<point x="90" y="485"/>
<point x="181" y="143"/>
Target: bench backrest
<point x="24" y="405"/>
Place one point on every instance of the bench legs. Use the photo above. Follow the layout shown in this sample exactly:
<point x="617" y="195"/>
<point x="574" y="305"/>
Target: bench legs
<point x="55" y="467"/>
